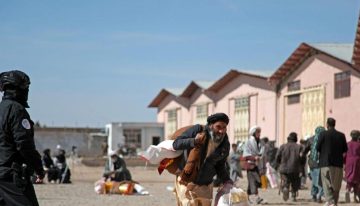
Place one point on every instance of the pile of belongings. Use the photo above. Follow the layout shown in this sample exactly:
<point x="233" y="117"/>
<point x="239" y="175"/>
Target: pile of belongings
<point x="236" y="197"/>
<point x="121" y="188"/>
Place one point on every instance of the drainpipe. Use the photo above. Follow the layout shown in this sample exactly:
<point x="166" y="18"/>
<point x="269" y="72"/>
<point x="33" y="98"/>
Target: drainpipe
<point x="229" y="126"/>
<point x="276" y="119"/>
<point x="257" y="109"/>
<point x="276" y="115"/>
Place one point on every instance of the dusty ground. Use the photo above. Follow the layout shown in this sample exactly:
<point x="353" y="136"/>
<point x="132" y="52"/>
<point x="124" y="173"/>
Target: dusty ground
<point x="81" y="192"/>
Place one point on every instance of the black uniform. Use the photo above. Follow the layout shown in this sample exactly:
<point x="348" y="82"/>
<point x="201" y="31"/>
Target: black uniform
<point x="17" y="149"/>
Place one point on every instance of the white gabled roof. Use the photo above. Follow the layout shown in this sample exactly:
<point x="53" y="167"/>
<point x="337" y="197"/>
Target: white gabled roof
<point x="341" y="51"/>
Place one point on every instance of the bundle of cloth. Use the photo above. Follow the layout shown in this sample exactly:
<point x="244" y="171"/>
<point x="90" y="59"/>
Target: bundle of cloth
<point x="164" y="154"/>
<point x="154" y="154"/>
<point x="167" y="158"/>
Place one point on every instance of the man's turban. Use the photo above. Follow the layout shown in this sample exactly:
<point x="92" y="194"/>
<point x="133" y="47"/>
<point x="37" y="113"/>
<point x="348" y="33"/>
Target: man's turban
<point x="218" y="117"/>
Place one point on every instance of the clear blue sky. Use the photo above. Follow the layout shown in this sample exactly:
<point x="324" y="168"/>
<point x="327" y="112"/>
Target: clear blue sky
<point x="94" y="62"/>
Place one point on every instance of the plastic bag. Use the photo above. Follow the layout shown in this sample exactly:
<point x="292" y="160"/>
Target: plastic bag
<point x="236" y="197"/>
<point x="272" y="176"/>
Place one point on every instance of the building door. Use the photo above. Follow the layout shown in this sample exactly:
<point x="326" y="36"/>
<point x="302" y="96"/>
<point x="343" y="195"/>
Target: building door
<point x="155" y="140"/>
<point x="241" y="121"/>
<point x="313" y="109"/>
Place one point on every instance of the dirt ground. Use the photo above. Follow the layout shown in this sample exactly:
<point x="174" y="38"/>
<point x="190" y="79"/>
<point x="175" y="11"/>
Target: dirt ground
<point x="81" y="191"/>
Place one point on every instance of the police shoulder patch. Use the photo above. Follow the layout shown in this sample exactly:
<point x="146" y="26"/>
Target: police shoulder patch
<point x="26" y="124"/>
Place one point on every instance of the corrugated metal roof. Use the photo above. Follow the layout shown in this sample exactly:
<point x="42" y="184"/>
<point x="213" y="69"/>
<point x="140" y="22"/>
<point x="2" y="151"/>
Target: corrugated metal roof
<point x="356" y="53"/>
<point x="229" y="76"/>
<point x="175" y="91"/>
<point x="164" y="93"/>
<point x="204" y="84"/>
<point x="193" y="86"/>
<point x="341" y="51"/>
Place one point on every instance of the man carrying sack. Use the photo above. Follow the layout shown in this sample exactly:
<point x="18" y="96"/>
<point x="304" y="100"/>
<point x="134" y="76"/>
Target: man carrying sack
<point x="206" y="149"/>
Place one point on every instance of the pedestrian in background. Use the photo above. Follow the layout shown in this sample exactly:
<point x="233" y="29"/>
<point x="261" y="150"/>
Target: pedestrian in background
<point x="234" y="162"/>
<point x="331" y="146"/>
<point x="289" y="157"/>
<point x="251" y="156"/>
<point x="303" y="161"/>
<point x="313" y="161"/>
<point x="352" y="167"/>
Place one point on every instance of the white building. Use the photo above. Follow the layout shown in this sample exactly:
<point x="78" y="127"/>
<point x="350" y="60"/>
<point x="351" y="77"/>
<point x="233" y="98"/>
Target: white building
<point x="134" y="134"/>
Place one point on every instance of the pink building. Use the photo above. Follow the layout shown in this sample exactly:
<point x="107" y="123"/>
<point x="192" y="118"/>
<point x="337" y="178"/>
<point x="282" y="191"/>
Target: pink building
<point x="200" y="102"/>
<point x="172" y="109"/>
<point x="316" y="81"/>
<point x="246" y="98"/>
<point x="249" y="100"/>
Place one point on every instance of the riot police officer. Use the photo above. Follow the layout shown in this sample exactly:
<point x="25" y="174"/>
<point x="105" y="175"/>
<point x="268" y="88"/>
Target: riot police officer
<point x="18" y="156"/>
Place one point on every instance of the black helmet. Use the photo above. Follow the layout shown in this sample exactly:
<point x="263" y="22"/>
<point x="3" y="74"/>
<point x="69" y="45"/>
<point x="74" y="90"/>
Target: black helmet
<point x="14" y="79"/>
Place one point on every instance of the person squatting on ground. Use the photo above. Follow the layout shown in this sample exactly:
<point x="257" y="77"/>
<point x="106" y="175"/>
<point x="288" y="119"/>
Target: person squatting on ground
<point x="18" y="155"/>
<point x="63" y="170"/>
<point x="251" y="156"/>
<point x="331" y="146"/>
<point x="206" y="149"/>
<point x="288" y="158"/>
<point x="115" y="168"/>
<point x="49" y="166"/>
<point x="313" y="161"/>
<point x="352" y="167"/>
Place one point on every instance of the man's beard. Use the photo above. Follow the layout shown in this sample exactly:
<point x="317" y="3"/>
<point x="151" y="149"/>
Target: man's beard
<point x="216" y="138"/>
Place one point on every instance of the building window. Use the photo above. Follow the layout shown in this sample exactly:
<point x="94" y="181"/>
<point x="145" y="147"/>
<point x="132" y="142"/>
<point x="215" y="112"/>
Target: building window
<point x="132" y="138"/>
<point x="342" y="84"/>
<point x="294" y="86"/>
<point x="201" y="114"/>
<point x="171" y="125"/>
<point x="241" y="120"/>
